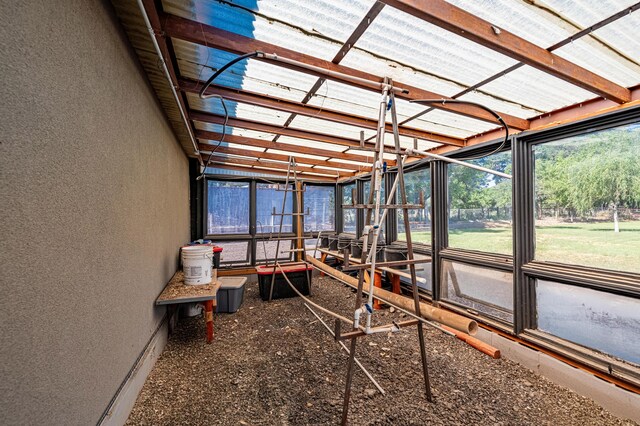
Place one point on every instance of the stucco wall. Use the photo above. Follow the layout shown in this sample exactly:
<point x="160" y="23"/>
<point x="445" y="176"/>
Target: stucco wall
<point x="95" y="203"/>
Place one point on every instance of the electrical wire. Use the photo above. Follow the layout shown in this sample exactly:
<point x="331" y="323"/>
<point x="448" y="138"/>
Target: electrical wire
<point x="203" y="95"/>
<point x="224" y="132"/>
<point x="223" y="69"/>
<point x="477" y="105"/>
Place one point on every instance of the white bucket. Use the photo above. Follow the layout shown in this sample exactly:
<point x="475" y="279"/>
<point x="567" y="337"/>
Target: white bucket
<point x="196" y="264"/>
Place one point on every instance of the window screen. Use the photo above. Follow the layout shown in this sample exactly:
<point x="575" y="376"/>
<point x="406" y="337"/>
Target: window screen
<point x="269" y="208"/>
<point x="320" y="202"/>
<point x="227" y="207"/>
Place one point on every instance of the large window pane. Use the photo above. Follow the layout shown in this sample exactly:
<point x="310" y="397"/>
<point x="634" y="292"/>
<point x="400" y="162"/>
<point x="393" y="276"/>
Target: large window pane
<point x="320" y="202"/>
<point x="227" y="207"/>
<point x="607" y="322"/>
<point x="234" y="253"/>
<point x="266" y="250"/>
<point x="420" y="220"/>
<point x="480" y="206"/>
<point x="269" y="201"/>
<point x="588" y="199"/>
<point x="348" y="215"/>
<point x="483" y="290"/>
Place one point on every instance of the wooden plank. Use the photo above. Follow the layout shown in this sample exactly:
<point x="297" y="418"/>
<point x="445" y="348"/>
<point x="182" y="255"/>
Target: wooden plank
<point x="298" y="149"/>
<point x="467" y="25"/>
<point x="280" y="157"/>
<point x="308" y="110"/>
<point x="206" y="35"/>
<point x="207" y="117"/>
<point x="176" y="291"/>
<point x="260" y="162"/>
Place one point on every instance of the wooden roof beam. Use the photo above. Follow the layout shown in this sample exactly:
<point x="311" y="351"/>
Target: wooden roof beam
<point x="469" y="26"/>
<point x="352" y="168"/>
<point x="252" y="98"/>
<point x="206" y="35"/>
<point x="208" y="117"/>
<point x="274" y="165"/>
<point x="294" y="149"/>
<point x="277" y="173"/>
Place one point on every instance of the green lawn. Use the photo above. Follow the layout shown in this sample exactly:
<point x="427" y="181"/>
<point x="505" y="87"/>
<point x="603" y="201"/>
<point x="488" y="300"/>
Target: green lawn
<point x="590" y="244"/>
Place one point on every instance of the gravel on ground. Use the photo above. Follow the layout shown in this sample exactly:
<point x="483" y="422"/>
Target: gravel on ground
<point x="275" y="364"/>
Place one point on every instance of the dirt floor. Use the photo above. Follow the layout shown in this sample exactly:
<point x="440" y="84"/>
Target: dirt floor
<point x="275" y="364"/>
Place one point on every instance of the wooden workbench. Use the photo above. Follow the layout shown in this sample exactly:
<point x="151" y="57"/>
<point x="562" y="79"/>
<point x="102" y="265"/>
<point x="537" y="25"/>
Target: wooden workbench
<point x="176" y="292"/>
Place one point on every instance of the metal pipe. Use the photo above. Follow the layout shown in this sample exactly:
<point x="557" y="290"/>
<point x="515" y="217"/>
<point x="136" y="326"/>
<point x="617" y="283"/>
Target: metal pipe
<point x="364" y="370"/>
<point x="416" y="152"/>
<point x="167" y="74"/>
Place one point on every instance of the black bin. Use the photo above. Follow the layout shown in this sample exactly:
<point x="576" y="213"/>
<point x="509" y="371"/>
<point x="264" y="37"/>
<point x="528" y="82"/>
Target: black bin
<point x="300" y="275"/>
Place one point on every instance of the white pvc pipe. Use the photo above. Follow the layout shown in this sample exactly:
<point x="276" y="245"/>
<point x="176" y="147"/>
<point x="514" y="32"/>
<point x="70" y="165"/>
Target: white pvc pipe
<point x="411" y="151"/>
<point x="167" y="74"/>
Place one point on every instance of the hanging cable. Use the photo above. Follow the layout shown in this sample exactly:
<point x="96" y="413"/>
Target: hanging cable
<point x="224" y="132"/>
<point x="203" y="95"/>
<point x="477" y="105"/>
<point x="223" y="69"/>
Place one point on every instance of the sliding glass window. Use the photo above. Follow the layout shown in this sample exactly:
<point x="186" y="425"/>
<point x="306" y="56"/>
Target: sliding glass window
<point x="480" y="206"/>
<point x="587" y="199"/>
<point x="416" y="182"/>
<point x="348" y="215"/>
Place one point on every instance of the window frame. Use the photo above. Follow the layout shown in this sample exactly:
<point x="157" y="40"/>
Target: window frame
<point x="253" y="237"/>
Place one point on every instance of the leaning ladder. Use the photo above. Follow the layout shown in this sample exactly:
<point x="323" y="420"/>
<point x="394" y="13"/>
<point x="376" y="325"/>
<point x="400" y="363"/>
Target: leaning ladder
<point x="368" y="258"/>
<point x="299" y="214"/>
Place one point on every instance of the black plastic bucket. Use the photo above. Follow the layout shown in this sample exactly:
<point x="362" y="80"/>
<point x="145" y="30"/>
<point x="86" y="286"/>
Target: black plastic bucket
<point x="344" y="242"/>
<point x="395" y="254"/>
<point x="356" y="249"/>
<point x="333" y="242"/>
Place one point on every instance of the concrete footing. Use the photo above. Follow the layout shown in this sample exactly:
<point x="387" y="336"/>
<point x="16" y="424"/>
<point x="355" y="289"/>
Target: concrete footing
<point x="616" y="400"/>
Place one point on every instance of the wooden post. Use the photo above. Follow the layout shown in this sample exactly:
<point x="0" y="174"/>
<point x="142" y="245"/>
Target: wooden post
<point x="299" y="224"/>
<point x="323" y="259"/>
<point x="395" y="283"/>
<point x="377" y="282"/>
<point x="208" y="317"/>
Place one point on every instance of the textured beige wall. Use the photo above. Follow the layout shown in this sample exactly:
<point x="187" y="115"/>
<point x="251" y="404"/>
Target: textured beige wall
<point x="94" y="194"/>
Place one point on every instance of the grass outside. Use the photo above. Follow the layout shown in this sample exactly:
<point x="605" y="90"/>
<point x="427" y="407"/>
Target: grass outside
<point x="589" y="244"/>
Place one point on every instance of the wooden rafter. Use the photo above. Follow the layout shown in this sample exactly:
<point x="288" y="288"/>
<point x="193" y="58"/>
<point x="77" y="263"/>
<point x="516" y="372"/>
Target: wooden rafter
<point x="467" y="25"/>
<point x="274" y="165"/>
<point x="294" y="149"/>
<point x="305" y="109"/>
<point x="568" y="114"/>
<point x="206" y="35"/>
<point x="272" y="172"/>
<point x="207" y="117"/>
<point x="351" y="169"/>
<point x="284" y="157"/>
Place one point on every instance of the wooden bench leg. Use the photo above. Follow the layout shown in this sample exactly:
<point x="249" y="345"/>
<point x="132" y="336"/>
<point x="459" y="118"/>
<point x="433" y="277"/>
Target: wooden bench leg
<point x="395" y="284"/>
<point x="377" y="282"/>
<point x="208" y="317"/>
<point x="323" y="259"/>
